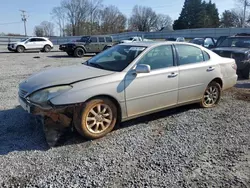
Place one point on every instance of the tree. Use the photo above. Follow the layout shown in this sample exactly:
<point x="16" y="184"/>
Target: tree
<point x="48" y="28"/>
<point x="77" y="11"/>
<point x="38" y="31"/>
<point x="230" y="19"/>
<point x="197" y="14"/>
<point x="163" y="21"/>
<point x="112" y="20"/>
<point x="58" y="14"/>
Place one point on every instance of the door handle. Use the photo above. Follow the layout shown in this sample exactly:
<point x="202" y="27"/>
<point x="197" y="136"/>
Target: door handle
<point x="210" y="69"/>
<point x="172" y="75"/>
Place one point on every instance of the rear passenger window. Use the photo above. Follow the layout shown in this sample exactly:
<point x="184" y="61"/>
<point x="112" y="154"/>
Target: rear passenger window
<point x="108" y="39"/>
<point x="206" y="56"/>
<point x="93" y="39"/>
<point x="101" y="39"/>
<point x="189" y="54"/>
<point x="40" y="40"/>
<point x="158" y="58"/>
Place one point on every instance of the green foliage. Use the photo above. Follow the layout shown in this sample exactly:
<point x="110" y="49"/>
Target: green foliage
<point x="197" y="14"/>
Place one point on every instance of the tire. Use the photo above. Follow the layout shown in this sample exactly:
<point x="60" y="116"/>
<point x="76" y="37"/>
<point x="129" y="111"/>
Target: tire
<point x="20" y="49"/>
<point x="95" y="121"/>
<point x="71" y="54"/>
<point x="211" y="96"/>
<point x="245" y="72"/>
<point x="46" y="48"/>
<point x="79" y="52"/>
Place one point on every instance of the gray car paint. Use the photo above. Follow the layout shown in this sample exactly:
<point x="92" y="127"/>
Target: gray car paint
<point x="61" y="76"/>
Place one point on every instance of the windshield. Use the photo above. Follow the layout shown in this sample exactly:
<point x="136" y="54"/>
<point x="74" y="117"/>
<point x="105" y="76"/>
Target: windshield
<point x="22" y="40"/>
<point x="171" y="39"/>
<point x="84" y="39"/>
<point x="130" y="38"/>
<point x="116" y="58"/>
<point x="241" y="42"/>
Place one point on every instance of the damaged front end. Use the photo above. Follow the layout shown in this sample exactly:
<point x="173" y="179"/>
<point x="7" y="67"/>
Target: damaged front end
<point x="56" y="119"/>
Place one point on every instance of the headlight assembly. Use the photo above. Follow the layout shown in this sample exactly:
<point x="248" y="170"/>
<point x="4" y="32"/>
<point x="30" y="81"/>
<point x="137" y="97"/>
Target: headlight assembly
<point x="42" y="96"/>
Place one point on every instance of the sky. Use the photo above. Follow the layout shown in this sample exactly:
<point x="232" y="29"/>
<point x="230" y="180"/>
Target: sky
<point x="38" y="11"/>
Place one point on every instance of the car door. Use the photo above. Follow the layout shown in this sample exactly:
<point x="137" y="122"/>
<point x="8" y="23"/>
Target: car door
<point x="102" y="43"/>
<point x="40" y="43"/>
<point x="146" y="92"/>
<point x="196" y="71"/>
<point x="209" y="42"/>
<point x="92" y="45"/>
<point x="30" y="44"/>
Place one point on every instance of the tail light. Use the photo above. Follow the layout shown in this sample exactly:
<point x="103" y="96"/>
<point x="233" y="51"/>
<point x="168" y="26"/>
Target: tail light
<point x="234" y="66"/>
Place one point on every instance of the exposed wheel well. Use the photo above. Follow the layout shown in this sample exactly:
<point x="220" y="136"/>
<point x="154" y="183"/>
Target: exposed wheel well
<point x="116" y="103"/>
<point x="81" y="48"/>
<point x="20" y="45"/>
<point x="219" y="81"/>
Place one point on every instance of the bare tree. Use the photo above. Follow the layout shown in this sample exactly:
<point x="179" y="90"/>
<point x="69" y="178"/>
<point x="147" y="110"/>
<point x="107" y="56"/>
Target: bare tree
<point x="164" y="22"/>
<point x="58" y="14"/>
<point x="38" y="31"/>
<point x="95" y="6"/>
<point x="112" y="20"/>
<point x="48" y="28"/>
<point x="77" y="11"/>
<point x="143" y="18"/>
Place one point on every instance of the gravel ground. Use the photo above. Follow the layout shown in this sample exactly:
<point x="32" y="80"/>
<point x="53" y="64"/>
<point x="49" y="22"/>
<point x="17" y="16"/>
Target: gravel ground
<point x="183" y="147"/>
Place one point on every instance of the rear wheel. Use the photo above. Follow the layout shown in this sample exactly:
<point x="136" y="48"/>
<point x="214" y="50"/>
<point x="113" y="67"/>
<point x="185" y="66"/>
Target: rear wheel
<point x="20" y="49"/>
<point x="47" y="48"/>
<point x="98" y="118"/>
<point x="79" y="52"/>
<point x="211" y="95"/>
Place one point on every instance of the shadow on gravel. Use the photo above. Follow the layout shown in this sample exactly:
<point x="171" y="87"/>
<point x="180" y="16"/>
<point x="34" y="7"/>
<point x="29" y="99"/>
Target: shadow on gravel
<point x="159" y="115"/>
<point x="66" y="56"/>
<point x="243" y="85"/>
<point x="20" y="131"/>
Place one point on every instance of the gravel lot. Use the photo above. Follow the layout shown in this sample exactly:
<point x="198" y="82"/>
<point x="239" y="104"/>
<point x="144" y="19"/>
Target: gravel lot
<point x="183" y="147"/>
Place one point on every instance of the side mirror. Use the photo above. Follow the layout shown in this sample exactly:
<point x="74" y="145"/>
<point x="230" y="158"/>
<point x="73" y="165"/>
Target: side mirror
<point x="142" y="68"/>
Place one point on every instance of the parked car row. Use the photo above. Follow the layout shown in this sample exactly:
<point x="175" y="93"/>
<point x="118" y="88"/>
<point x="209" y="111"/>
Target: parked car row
<point x="237" y="47"/>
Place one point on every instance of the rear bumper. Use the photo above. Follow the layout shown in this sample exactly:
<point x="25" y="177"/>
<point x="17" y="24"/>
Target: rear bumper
<point x="229" y="82"/>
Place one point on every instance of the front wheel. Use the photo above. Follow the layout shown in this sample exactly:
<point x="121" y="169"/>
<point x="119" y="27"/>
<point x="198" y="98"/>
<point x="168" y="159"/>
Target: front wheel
<point x="47" y="48"/>
<point x="98" y="118"/>
<point x="245" y="72"/>
<point x="20" y="49"/>
<point x="211" y="96"/>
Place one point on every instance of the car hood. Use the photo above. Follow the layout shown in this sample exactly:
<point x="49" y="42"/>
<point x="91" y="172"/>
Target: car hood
<point x="231" y="49"/>
<point x="61" y="76"/>
<point x="74" y="43"/>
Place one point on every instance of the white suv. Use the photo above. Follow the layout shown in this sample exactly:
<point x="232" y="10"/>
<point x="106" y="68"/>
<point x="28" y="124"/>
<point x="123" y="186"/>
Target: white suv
<point x="32" y="43"/>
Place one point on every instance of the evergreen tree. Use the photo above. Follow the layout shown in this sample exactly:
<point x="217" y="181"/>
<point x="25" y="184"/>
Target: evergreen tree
<point x="197" y="14"/>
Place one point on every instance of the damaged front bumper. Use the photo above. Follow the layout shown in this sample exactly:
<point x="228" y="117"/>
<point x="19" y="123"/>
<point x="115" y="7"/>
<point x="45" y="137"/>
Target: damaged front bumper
<point x="55" y="119"/>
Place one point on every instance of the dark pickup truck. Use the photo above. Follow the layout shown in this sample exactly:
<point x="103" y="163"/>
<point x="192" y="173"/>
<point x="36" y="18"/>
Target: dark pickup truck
<point x="238" y="48"/>
<point x="87" y="44"/>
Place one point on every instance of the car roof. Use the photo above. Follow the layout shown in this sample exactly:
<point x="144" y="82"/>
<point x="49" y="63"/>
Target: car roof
<point x="152" y="43"/>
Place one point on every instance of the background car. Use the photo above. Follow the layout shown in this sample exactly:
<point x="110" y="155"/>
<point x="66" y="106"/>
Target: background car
<point x="87" y="44"/>
<point x="127" y="81"/>
<point x="237" y="47"/>
<point x="207" y="42"/>
<point x="32" y="43"/>
<point x="177" y="39"/>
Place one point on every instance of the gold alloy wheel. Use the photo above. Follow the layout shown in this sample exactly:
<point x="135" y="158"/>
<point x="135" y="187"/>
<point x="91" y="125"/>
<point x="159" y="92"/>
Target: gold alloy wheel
<point x="99" y="118"/>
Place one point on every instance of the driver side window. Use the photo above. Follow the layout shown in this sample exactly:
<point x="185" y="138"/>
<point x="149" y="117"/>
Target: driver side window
<point x="158" y="58"/>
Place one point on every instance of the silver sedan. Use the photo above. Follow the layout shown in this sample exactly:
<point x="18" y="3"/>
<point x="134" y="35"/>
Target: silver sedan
<point x="125" y="82"/>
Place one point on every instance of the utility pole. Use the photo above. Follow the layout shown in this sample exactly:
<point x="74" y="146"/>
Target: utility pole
<point x="24" y="19"/>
